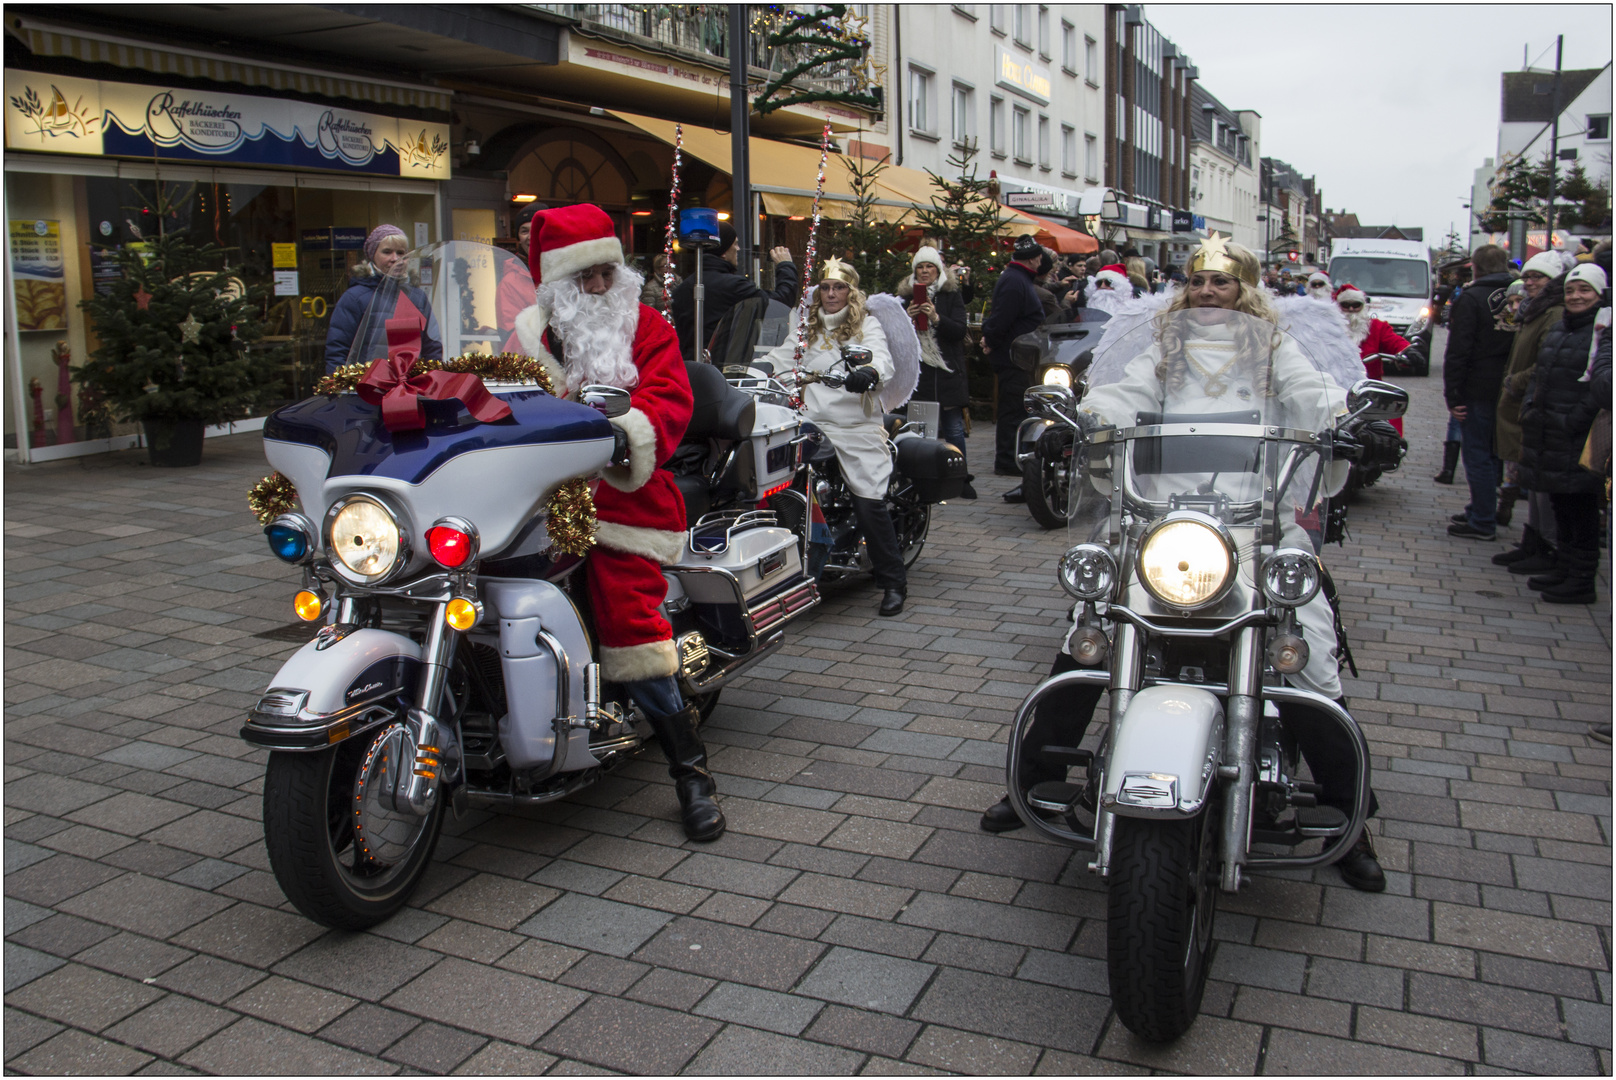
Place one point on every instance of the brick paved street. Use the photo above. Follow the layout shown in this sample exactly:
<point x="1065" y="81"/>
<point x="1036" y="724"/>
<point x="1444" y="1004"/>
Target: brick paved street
<point x="854" y="919"/>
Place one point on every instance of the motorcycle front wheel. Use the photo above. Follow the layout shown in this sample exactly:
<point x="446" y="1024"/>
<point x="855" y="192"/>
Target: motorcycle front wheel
<point x="341" y="852"/>
<point x="911" y="521"/>
<point x="1161" y="896"/>
<point x="1047" y="487"/>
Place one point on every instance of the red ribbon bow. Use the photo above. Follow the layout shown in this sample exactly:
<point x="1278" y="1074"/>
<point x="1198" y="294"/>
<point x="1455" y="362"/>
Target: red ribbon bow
<point x="389" y="384"/>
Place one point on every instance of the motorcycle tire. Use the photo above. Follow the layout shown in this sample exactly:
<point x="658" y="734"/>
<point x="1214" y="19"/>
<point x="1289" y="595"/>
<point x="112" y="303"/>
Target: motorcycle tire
<point x="1161" y="897"/>
<point x="317" y="854"/>
<point x="1047" y="490"/>
<point x="912" y="523"/>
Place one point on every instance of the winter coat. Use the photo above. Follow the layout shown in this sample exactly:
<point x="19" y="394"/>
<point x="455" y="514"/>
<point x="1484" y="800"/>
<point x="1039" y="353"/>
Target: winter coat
<point x="852" y="422"/>
<point x="1053" y="312"/>
<point x="1478" y="350"/>
<point x="1559" y="410"/>
<point x="725" y="288"/>
<point x="1522" y="362"/>
<point x="951" y="389"/>
<point x="514" y="295"/>
<point x="1015" y="310"/>
<point x="349" y="313"/>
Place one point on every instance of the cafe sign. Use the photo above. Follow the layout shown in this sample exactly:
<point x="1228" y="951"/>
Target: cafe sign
<point x="1020" y="75"/>
<point x="63" y="115"/>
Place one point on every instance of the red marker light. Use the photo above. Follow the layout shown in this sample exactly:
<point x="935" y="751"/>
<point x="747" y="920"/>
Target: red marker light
<point x="450" y="547"/>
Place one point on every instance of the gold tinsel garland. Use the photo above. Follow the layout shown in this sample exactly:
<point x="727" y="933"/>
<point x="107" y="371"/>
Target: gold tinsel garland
<point x="271" y="497"/>
<point x="571" y="509"/>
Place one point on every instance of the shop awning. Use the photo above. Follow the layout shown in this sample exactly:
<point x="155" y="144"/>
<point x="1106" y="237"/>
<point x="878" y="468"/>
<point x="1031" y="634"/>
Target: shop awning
<point x="1066" y="241"/>
<point x="46" y="39"/>
<point x="784" y="175"/>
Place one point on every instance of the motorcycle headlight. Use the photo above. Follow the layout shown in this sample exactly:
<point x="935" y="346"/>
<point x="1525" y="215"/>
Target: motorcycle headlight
<point x="1186" y="560"/>
<point x="1057" y="375"/>
<point x="364" y="538"/>
<point x="1088" y="572"/>
<point x="1290" y="577"/>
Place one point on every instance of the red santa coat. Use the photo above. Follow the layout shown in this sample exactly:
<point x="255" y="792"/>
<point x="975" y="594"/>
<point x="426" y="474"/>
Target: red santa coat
<point x="1381" y="339"/>
<point x="640" y="513"/>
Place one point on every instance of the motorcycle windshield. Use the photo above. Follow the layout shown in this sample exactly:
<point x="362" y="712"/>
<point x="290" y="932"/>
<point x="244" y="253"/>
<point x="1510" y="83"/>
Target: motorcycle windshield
<point x="450" y="299"/>
<point x="1210" y="410"/>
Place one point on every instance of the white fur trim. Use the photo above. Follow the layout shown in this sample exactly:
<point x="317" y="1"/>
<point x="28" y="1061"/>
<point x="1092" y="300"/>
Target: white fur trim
<point x="558" y="263"/>
<point x="662" y="546"/>
<point x="1116" y="280"/>
<point x="1351" y="294"/>
<point x="531" y="322"/>
<point x="632" y="663"/>
<point x="642" y="453"/>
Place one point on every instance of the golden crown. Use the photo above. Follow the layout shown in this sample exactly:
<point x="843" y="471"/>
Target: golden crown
<point x="837" y="270"/>
<point x="1214" y="254"/>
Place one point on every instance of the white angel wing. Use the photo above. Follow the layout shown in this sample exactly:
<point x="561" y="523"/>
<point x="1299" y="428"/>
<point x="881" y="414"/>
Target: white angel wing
<point x="903" y="344"/>
<point x="1321" y="330"/>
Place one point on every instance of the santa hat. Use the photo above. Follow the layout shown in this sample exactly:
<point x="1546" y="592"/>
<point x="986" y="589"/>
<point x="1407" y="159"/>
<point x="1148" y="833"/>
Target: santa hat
<point x="1319" y="278"/>
<point x="569" y="239"/>
<point x="1114" y="275"/>
<point x="1351" y="293"/>
<point x="563" y="241"/>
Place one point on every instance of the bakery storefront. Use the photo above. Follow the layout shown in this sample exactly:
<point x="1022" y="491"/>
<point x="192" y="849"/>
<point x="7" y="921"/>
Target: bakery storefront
<point x="290" y="187"/>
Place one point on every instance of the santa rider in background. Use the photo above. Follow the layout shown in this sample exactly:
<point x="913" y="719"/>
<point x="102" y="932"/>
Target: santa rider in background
<point x="1318" y="286"/>
<point x="1371" y="335"/>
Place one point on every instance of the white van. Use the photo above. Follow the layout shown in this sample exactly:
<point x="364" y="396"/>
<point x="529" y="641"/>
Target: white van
<point x="1395" y="275"/>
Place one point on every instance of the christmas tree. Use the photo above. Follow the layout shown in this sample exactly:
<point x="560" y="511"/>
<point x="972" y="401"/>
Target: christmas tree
<point x="965" y="216"/>
<point x="864" y="240"/>
<point x="174" y="331"/>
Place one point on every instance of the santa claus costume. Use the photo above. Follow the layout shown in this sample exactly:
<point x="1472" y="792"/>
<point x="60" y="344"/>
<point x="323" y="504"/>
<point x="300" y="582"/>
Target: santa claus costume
<point x="590" y="328"/>
<point x="1372" y="336"/>
<point x="1109" y="290"/>
<point x="1318" y="286"/>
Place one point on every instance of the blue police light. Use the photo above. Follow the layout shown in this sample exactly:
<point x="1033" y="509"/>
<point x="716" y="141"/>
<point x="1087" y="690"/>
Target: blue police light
<point x="698" y="225"/>
<point x="290" y="537"/>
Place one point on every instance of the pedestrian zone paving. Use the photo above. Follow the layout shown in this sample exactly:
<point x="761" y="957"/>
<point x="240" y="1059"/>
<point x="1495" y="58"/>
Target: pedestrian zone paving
<point x="854" y="920"/>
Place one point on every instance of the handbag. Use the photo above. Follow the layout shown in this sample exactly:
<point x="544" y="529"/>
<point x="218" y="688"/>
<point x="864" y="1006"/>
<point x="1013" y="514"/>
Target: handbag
<point x="1596" y="451"/>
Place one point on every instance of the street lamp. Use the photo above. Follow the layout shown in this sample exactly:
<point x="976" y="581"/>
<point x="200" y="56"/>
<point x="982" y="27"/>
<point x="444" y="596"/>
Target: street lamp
<point x="1268" y="237"/>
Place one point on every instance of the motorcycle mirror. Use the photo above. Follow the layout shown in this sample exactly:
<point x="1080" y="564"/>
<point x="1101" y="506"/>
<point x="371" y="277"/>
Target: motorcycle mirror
<point x="1371" y="399"/>
<point x="856" y="355"/>
<point x="608" y="399"/>
<point x="1047" y="400"/>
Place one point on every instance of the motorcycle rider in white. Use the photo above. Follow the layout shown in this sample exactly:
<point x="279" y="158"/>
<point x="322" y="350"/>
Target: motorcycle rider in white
<point x="850" y="415"/>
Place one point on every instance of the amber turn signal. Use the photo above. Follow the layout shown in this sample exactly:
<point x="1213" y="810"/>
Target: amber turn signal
<point x="309" y="605"/>
<point x="461" y="613"/>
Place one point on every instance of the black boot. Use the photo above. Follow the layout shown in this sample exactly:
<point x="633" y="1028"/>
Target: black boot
<point x="1555" y="574"/>
<point x="1539" y="562"/>
<point x="687" y="764"/>
<point x="1001" y="817"/>
<point x="1450" y="461"/>
<point x="1581" y="572"/>
<point x="1359" y="867"/>
<point x="1507" y="496"/>
<point x="1531" y="543"/>
<point x="881" y="541"/>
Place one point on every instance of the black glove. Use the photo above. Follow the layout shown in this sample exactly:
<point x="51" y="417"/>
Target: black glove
<point x="1383" y="447"/>
<point x="861" y="379"/>
<point x="619" y="446"/>
<point x="1054" y="442"/>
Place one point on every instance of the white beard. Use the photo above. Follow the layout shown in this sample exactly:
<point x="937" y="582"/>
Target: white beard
<point x="596" y="332"/>
<point x="1358" y="325"/>
<point x="1319" y="292"/>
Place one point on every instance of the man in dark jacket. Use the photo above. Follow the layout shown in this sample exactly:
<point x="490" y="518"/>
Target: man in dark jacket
<point x="725" y="288"/>
<point x="1016" y="310"/>
<point x="1472" y="374"/>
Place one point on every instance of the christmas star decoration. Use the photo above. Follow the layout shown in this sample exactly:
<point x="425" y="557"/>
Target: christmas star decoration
<point x="143" y="299"/>
<point x="190" y="329"/>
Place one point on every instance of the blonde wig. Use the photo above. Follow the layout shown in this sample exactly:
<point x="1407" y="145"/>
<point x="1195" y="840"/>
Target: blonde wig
<point x="1254" y="347"/>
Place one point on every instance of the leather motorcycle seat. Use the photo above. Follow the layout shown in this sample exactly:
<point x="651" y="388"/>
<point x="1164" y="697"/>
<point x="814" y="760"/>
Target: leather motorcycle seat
<point x="719" y="411"/>
<point x="697" y="500"/>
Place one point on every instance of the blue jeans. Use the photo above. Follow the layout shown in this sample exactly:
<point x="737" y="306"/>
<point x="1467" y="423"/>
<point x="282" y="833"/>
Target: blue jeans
<point x="1455" y="431"/>
<point x="1481" y="467"/>
<point x="951" y="428"/>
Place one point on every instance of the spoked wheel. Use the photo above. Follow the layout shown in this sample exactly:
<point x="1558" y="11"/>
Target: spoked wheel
<point x="911" y="521"/>
<point x="1161" y="898"/>
<point x="342" y="852"/>
<point x="1047" y="486"/>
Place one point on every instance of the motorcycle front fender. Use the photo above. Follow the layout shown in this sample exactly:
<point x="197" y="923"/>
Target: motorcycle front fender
<point x="1164" y="753"/>
<point x="1027" y="436"/>
<point x="332" y="690"/>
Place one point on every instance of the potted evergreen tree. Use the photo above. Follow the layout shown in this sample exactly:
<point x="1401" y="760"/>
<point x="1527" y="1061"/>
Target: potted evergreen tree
<point x="174" y="332"/>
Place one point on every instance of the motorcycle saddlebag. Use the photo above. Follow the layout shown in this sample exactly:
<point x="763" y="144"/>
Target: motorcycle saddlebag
<point x="936" y="469"/>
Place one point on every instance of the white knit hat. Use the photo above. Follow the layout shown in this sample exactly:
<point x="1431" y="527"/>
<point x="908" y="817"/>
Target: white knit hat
<point x="1546" y="263"/>
<point x="1590" y="273"/>
<point x="1319" y="278"/>
<point x="930" y="255"/>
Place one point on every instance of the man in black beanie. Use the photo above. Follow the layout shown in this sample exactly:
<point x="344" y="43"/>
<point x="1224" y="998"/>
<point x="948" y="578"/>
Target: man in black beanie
<point x="1015" y="310"/>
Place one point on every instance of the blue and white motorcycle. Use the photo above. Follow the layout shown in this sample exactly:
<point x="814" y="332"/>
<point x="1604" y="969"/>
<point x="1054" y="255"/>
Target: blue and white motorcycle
<point x="453" y="656"/>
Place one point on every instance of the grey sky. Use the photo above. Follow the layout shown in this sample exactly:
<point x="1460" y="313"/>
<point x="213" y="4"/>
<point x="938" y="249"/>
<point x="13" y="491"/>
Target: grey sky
<point x="1392" y="108"/>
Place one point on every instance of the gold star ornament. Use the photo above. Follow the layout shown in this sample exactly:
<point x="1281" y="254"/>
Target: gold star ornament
<point x="190" y="330"/>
